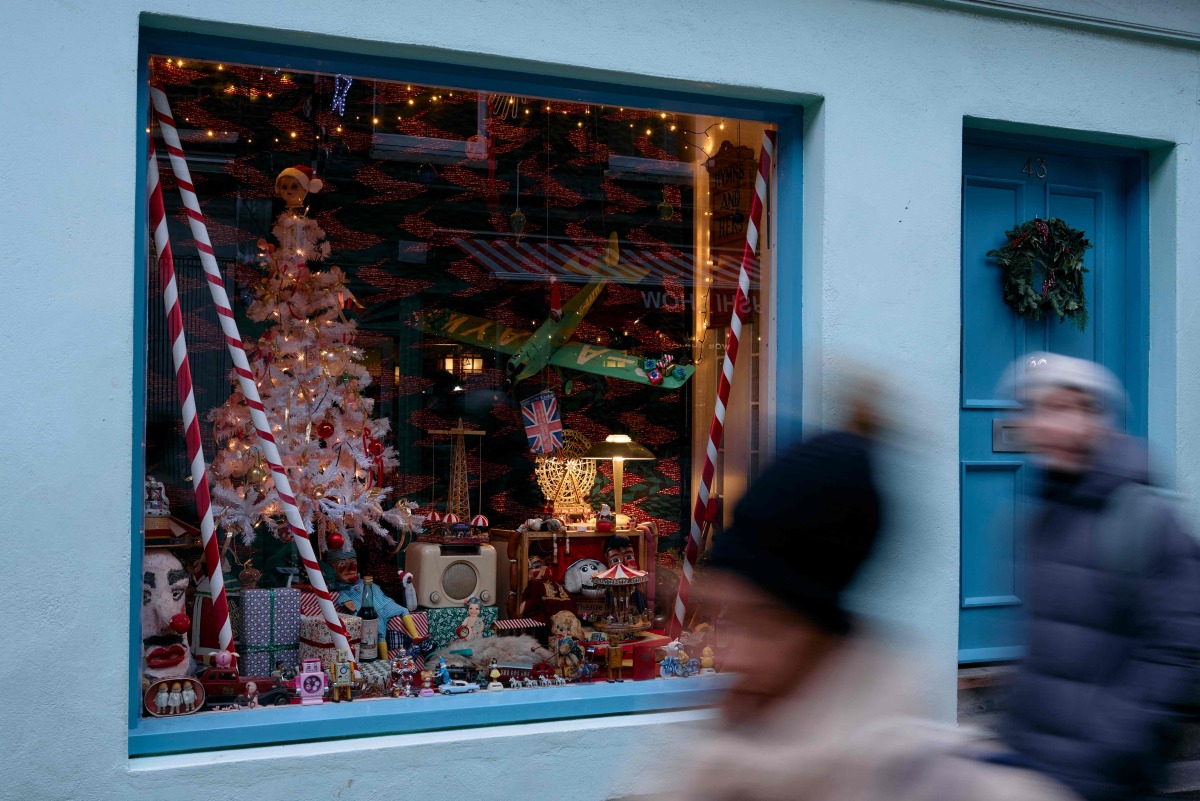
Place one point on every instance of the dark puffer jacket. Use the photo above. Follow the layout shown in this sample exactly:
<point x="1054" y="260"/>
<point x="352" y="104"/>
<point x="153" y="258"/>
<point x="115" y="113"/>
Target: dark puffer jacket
<point x="1111" y="656"/>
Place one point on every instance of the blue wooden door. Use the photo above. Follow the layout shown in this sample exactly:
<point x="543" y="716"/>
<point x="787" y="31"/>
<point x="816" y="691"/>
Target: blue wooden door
<point x="1003" y="187"/>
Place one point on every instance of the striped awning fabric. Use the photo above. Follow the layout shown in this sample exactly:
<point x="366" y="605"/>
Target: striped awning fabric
<point x="580" y="263"/>
<point x="517" y="623"/>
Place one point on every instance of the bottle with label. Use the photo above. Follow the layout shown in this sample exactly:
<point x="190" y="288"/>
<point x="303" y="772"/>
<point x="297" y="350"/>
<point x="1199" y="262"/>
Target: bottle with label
<point x="369" y="648"/>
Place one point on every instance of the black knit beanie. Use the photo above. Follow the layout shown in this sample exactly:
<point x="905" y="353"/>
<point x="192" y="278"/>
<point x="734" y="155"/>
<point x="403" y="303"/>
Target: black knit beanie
<point x="806" y="526"/>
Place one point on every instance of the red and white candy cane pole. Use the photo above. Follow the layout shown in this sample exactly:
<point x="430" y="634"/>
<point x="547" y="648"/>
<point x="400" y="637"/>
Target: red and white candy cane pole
<point x="717" y="430"/>
<point x="241" y="366"/>
<point x="187" y="403"/>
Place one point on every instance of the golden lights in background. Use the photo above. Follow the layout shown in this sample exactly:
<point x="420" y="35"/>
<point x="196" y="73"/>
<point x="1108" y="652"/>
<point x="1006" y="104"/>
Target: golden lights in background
<point x="425" y="96"/>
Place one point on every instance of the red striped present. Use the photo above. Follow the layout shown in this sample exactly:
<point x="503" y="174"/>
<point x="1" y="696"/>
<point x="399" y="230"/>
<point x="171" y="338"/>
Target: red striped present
<point x="310" y="604"/>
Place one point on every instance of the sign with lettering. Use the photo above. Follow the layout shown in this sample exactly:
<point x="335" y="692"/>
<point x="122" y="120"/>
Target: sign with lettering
<point x="731" y="175"/>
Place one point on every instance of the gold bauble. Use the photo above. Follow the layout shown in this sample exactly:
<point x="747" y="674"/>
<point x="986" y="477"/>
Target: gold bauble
<point x="255" y="475"/>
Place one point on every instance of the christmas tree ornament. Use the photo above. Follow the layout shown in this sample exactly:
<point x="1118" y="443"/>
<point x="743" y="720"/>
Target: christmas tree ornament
<point x="665" y="210"/>
<point x="375" y="447"/>
<point x="1042" y="271"/>
<point x="318" y="493"/>
<point x="517" y="222"/>
<point x="325" y="429"/>
<point x="335" y="541"/>
<point x="256" y="475"/>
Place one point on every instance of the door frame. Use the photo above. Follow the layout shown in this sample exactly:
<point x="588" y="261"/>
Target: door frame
<point x="1136" y="168"/>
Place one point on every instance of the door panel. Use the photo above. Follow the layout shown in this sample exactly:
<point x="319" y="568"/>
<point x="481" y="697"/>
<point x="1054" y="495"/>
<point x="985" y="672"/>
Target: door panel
<point x="1089" y="194"/>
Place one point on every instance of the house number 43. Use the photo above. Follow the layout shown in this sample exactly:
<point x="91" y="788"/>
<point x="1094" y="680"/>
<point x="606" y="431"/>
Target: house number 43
<point x="1035" y="167"/>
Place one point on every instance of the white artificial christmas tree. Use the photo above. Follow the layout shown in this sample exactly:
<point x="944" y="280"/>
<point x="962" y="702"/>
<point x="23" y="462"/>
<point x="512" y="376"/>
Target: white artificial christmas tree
<point x="310" y="377"/>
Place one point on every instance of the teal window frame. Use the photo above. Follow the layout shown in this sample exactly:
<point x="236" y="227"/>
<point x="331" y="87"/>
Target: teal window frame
<point x="158" y="736"/>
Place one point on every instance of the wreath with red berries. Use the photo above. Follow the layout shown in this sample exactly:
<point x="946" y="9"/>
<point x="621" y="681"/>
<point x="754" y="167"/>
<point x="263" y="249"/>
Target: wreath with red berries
<point x="1043" y="270"/>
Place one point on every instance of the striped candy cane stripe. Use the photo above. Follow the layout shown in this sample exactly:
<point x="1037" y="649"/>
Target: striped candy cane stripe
<point x="717" y="429"/>
<point x="187" y="403"/>
<point x="241" y="366"/>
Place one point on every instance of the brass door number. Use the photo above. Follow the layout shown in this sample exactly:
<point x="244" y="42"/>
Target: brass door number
<point x="1035" y="167"/>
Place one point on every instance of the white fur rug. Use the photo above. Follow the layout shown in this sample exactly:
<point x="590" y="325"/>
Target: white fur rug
<point x="519" y="650"/>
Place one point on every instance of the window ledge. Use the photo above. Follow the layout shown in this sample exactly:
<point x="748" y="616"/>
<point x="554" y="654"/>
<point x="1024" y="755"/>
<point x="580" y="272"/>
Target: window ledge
<point x="372" y="717"/>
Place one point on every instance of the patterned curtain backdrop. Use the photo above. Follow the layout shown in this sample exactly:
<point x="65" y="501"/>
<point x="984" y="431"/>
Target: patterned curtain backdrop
<point x="419" y="183"/>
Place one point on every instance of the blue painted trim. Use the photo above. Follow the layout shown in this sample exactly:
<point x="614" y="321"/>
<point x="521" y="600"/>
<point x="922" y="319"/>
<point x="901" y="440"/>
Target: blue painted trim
<point x="1006" y="653"/>
<point x="788" y="285"/>
<point x="138" y="386"/>
<point x="367" y="718"/>
<point x="1137" y="244"/>
<point x="980" y="601"/>
<point x="454" y="76"/>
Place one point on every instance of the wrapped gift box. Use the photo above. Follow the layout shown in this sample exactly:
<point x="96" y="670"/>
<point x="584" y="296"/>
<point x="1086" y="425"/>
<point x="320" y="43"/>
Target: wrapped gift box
<point x="444" y="623"/>
<point x="270" y="630"/>
<point x="316" y="641"/>
<point x="396" y="633"/>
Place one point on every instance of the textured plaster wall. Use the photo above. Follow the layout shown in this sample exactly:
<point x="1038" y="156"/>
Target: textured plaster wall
<point x="881" y="236"/>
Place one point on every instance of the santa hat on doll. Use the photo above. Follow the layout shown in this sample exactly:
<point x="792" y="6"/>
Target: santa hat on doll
<point x="410" y="591"/>
<point x="305" y="176"/>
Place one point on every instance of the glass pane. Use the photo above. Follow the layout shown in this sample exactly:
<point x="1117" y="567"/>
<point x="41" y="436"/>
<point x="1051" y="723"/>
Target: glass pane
<point x="433" y="286"/>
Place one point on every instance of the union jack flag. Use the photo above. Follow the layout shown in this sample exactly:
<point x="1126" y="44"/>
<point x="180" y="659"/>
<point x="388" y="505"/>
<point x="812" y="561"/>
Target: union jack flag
<point x="542" y="423"/>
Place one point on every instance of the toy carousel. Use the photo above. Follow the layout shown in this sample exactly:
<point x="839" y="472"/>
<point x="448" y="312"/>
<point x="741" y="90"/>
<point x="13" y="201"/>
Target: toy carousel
<point x="625" y="609"/>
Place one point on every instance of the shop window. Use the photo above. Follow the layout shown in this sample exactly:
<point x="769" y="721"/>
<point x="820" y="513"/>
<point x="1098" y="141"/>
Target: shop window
<point x="457" y="306"/>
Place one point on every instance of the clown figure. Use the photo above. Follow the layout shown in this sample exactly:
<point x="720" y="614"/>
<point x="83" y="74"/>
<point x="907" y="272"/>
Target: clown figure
<point x="164" y="623"/>
<point x="341" y="573"/>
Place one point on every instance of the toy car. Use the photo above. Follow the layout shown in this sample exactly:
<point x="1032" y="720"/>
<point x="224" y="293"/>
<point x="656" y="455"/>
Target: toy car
<point x="223" y="685"/>
<point x="456" y="687"/>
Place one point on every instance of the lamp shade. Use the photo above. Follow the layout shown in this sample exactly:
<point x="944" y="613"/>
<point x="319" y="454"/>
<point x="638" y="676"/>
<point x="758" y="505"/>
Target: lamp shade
<point x="618" y="446"/>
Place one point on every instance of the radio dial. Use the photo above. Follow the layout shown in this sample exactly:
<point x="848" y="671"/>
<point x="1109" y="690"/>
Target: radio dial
<point x="485" y="596"/>
<point x="435" y="596"/>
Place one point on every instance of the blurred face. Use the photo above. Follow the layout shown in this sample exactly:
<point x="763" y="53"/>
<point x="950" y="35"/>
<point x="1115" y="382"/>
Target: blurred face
<point x="538" y="569"/>
<point x="290" y="190"/>
<point x="770" y="648"/>
<point x="346" y="570"/>
<point x="1064" y="427"/>
<point x="622" y="556"/>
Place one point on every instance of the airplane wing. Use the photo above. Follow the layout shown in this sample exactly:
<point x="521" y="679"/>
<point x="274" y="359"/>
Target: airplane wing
<point x="472" y="330"/>
<point x="612" y="363"/>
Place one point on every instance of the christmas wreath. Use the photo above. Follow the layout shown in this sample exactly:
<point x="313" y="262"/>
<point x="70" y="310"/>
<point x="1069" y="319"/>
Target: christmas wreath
<point x="1043" y="269"/>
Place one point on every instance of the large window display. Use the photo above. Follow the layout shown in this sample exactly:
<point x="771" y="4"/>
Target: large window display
<point x="483" y="339"/>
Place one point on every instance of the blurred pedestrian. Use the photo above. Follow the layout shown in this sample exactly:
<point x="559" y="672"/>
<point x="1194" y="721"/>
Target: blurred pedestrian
<point x="1113" y="595"/>
<point x="807" y="679"/>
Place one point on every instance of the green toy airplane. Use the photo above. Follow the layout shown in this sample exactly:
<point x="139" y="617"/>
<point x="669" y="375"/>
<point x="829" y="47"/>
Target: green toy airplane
<point x="549" y="345"/>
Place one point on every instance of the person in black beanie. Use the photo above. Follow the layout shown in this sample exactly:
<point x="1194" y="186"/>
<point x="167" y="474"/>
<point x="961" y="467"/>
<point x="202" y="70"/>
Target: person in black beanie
<point x="798" y="538"/>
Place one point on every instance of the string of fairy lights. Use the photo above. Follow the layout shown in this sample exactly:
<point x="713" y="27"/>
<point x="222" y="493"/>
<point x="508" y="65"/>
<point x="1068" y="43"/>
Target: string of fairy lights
<point x="416" y="100"/>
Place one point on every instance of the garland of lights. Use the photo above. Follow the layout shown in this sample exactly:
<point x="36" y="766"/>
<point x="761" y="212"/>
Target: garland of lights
<point x="1043" y="270"/>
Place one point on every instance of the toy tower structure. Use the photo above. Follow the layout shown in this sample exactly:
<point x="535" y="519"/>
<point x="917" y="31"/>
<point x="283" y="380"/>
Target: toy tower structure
<point x="458" y="499"/>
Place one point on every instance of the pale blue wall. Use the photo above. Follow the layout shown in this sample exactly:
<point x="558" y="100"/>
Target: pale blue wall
<point x="881" y="240"/>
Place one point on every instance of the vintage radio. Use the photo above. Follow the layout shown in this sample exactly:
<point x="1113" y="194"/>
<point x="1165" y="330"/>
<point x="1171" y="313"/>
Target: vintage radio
<point x="446" y="575"/>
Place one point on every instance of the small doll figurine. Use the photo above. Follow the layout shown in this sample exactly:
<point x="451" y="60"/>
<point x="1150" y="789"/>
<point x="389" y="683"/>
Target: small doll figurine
<point x="566" y="634"/>
<point x="189" y="697"/>
<point x="443" y="673"/>
<point x="473" y="622"/>
<point x="494" y="675"/>
<point x="426" y="685"/>
<point x="706" y="661"/>
<point x="175" y="698"/>
<point x="252" y="695"/>
<point x="162" y="698"/>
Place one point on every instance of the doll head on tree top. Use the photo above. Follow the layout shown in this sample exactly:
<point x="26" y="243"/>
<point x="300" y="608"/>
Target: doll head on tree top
<point x="294" y="183"/>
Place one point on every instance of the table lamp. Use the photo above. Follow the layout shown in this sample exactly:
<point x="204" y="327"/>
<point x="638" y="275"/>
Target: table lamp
<point x="618" y="448"/>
